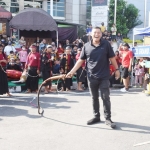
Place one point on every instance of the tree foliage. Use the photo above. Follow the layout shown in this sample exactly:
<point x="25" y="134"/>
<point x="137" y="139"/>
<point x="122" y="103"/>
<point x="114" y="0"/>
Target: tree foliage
<point x="132" y="14"/>
<point x="127" y="16"/>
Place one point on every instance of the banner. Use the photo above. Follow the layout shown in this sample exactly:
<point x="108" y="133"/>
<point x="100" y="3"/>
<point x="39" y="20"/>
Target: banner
<point x="99" y="2"/>
<point x="141" y="51"/>
<point x="99" y="13"/>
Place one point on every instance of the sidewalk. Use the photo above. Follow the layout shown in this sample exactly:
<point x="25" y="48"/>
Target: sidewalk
<point x="63" y="126"/>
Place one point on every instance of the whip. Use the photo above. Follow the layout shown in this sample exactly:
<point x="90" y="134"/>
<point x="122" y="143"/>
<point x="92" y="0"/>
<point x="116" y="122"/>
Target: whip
<point x="40" y="110"/>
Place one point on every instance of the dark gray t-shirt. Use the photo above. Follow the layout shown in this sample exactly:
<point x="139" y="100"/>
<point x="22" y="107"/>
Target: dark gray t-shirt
<point x="97" y="59"/>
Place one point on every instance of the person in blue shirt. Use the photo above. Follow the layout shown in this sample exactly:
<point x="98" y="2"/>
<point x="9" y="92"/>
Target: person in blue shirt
<point x="42" y="45"/>
<point x="56" y="67"/>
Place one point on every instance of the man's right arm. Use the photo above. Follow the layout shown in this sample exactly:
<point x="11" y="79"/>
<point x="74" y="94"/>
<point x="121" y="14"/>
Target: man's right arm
<point x="75" y="68"/>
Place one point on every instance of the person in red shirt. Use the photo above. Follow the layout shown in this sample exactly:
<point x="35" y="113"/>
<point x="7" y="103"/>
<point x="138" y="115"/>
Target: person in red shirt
<point x="80" y="72"/>
<point x="127" y="57"/>
<point x="33" y="68"/>
<point x="3" y="76"/>
<point x="118" y="59"/>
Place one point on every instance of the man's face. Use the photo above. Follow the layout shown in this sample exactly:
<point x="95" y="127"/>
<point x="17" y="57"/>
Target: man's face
<point x="68" y="51"/>
<point x="75" y="48"/>
<point x="96" y="34"/>
<point x="33" y="49"/>
<point x="49" y="50"/>
<point x="44" y="41"/>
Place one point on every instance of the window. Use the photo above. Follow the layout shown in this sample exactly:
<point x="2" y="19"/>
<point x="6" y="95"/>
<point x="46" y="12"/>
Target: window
<point x="88" y="9"/>
<point x="32" y="3"/>
<point x="10" y="5"/>
<point x="13" y="5"/>
<point x="58" y="8"/>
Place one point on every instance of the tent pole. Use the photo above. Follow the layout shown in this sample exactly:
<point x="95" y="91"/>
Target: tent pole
<point x="57" y="37"/>
<point x="132" y="62"/>
<point x="133" y="38"/>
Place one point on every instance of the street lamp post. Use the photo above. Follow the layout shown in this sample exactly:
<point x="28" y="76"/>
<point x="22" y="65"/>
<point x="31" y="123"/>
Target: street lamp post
<point x="115" y="11"/>
<point x="145" y="13"/>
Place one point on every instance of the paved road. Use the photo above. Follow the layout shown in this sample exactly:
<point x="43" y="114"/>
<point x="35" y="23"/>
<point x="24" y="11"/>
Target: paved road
<point x="63" y="126"/>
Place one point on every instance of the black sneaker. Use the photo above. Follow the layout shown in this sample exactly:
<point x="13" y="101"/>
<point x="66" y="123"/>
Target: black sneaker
<point x="110" y="123"/>
<point x="93" y="121"/>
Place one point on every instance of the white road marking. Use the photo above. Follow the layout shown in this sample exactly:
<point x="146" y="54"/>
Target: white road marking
<point x="140" y="144"/>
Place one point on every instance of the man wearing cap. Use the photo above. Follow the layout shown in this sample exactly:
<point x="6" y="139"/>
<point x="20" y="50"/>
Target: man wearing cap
<point x="33" y="68"/>
<point x="127" y="57"/>
<point x="66" y="65"/>
<point x="97" y="53"/>
<point x="9" y="48"/>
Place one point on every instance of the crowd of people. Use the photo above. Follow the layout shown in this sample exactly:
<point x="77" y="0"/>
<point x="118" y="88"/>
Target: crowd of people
<point x="45" y="60"/>
<point x="94" y="63"/>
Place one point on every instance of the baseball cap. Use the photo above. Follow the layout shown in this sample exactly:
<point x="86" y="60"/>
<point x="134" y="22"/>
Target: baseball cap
<point x="68" y="47"/>
<point x="49" y="46"/>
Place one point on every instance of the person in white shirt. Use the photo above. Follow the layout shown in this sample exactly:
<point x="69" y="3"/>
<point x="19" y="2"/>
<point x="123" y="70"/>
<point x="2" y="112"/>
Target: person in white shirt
<point x="9" y="48"/>
<point x="113" y="30"/>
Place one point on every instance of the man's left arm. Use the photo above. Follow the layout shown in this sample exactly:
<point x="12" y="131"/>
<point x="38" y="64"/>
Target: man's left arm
<point x="113" y="62"/>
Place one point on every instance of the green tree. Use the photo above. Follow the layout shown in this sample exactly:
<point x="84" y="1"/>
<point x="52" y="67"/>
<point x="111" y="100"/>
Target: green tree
<point x="132" y="14"/>
<point x="127" y="16"/>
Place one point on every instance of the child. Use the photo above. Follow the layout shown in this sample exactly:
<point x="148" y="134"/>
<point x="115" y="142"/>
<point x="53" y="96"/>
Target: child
<point x="11" y="56"/>
<point x="13" y="66"/>
<point x="23" y="56"/>
<point x="139" y="73"/>
<point x="19" y="63"/>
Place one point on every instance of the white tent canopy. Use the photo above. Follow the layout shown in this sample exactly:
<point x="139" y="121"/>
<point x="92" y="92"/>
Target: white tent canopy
<point x="141" y="31"/>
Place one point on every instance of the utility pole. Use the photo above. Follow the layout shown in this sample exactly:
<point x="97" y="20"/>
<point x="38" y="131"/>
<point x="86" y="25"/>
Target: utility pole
<point x="115" y="11"/>
<point x="145" y="13"/>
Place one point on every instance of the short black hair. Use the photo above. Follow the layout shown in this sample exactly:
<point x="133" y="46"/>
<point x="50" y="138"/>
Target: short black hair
<point x="97" y="28"/>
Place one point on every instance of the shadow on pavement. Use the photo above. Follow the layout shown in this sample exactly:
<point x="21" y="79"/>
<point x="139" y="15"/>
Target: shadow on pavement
<point x="120" y="125"/>
<point x="9" y="109"/>
<point x="15" y="112"/>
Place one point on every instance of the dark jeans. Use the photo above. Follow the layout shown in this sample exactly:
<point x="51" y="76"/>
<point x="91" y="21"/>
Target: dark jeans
<point x="103" y="85"/>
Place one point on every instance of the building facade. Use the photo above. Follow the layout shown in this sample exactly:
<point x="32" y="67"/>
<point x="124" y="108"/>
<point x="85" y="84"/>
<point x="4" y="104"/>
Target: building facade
<point x="72" y="11"/>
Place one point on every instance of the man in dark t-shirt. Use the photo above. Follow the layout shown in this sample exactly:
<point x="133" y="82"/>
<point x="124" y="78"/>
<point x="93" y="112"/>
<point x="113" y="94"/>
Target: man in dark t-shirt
<point x="97" y="54"/>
